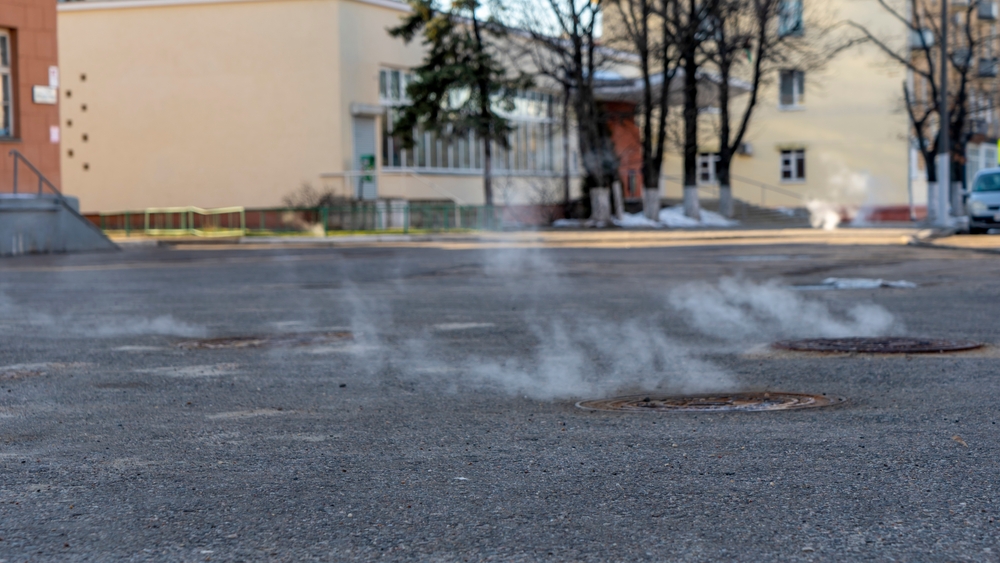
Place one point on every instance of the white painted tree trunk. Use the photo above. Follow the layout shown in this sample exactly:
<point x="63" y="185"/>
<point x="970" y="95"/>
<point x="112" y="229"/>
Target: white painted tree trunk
<point x="651" y="203"/>
<point x="692" y="208"/>
<point x="726" y="200"/>
<point x="616" y="192"/>
<point x="600" y="205"/>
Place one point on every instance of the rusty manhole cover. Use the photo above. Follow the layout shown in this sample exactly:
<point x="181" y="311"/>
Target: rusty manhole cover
<point x="879" y="345"/>
<point x="292" y="340"/>
<point x="722" y="402"/>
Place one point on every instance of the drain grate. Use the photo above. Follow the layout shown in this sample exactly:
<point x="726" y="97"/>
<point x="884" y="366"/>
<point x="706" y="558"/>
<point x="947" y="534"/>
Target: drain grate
<point x="293" y="340"/>
<point x="746" y="402"/>
<point x="879" y="345"/>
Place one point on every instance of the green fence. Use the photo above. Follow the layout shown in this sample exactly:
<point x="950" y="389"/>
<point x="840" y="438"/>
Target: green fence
<point x="358" y="217"/>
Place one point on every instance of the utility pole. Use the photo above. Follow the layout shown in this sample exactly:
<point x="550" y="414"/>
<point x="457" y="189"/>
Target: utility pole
<point x="943" y="196"/>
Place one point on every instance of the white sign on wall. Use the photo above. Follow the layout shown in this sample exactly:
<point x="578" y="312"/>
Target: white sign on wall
<point x="53" y="77"/>
<point x="54" y="134"/>
<point x="44" y="95"/>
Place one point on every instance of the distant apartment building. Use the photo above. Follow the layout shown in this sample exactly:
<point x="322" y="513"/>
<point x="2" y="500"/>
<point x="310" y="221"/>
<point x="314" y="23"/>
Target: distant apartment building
<point x="838" y="134"/>
<point x="29" y="81"/>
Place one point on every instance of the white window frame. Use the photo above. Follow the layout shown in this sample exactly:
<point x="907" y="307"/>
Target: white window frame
<point x="708" y="168"/>
<point x="798" y="79"/>
<point x="790" y="159"/>
<point x="6" y="85"/>
<point x="532" y="142"/>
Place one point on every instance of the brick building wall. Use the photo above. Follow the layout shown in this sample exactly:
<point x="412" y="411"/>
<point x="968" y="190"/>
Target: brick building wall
<point x="31" y="25"/>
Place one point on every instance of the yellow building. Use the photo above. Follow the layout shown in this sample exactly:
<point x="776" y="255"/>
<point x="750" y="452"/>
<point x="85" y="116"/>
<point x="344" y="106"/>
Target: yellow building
<point x="242" y="102"/>
<point x="837" y="135"/>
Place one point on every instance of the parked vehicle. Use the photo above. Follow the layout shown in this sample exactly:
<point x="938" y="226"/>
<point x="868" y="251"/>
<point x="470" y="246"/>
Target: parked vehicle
<point x="983" y="203"/>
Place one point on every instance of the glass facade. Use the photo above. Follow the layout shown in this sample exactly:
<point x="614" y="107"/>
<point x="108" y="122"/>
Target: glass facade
<point x="534" y="145"/>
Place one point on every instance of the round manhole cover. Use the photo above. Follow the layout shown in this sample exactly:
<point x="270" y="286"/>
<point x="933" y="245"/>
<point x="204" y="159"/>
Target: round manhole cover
<point x="879" y="345"/>
<point x="747" y="402"/>
<point x="270" y="340"/>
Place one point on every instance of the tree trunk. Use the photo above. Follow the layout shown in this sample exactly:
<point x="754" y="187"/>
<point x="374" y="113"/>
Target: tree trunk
<point x="691" y="206"/>
<point x="651" y="203"/>
<point x="488" y="171"/>
<point x="566" y="159"/>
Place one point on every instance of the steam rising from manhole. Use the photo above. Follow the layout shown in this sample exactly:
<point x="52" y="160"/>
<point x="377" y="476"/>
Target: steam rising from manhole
<point x="292" y="340"/>
<point x="880" y="345"/>
<point x="730" y="402"/>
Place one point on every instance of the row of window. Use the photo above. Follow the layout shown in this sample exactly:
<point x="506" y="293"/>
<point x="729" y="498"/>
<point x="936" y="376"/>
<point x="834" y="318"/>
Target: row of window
<point x="6" y="87"/>
<point x="793" y="166"/>
<point x="533" y="146"/>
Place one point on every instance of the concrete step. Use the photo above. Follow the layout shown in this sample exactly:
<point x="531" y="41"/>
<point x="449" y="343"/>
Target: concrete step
<point x="752" y="215"/>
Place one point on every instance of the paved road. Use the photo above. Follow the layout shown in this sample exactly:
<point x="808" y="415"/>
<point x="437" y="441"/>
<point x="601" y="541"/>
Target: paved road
<point x="446" y="430"/>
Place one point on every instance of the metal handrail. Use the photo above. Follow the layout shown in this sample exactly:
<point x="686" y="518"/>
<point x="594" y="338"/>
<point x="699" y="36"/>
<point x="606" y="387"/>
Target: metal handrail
<point x="768" y="187"/>
<point x="187" y="222"/>
<point x="42" y="180"/>
<point x="763" y="187"/>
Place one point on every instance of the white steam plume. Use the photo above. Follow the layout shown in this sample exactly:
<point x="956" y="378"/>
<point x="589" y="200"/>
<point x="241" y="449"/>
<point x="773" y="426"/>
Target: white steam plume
<point x="742" y="310"/>
<point x="12" y="313"/>
<point x="593" y="357"/>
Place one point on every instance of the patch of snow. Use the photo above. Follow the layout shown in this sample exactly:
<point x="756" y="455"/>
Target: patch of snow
<point x="461" y="326"/>
<point x="857" y="283"/>
<point x="636" y="221"/>
<point x="567" y="223"/>
<point x="675" y="217"/>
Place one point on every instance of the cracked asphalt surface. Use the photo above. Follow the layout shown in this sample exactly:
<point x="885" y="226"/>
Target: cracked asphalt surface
<point x="118" y="444"/>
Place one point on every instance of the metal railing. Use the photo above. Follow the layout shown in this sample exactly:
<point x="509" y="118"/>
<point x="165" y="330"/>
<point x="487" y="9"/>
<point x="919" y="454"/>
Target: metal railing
<point x="42" y="180"/>
<point x="377" y="216"/>
<point x="713" y="190"/>
<point x="222" y="222"/>
<point x="764" y="188"/>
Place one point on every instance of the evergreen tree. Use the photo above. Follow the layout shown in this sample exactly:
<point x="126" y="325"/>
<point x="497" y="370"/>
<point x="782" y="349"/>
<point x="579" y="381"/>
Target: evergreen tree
<point x="461" y="86"/>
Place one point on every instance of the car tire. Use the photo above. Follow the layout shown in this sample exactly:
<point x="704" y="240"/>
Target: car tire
<point x="978" y="231"/>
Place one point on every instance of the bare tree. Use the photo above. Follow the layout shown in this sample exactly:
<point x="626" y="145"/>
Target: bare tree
<point x="921" y="55"/>
<point x="560" y="40"/>
<point x="643" y="29"/>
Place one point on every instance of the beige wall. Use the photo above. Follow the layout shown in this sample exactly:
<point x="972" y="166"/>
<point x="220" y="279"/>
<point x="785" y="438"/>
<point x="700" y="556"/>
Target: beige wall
<point x="851" y="125"/>
<point x="211" y="105"/>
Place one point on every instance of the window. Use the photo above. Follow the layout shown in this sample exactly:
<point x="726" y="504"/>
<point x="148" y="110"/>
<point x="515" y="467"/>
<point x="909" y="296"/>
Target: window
<point x="792" y="88"/>
<point x="6" y="86"/>
<point x="790" y="18"/>
<point x="793" y="165"/>
<point x="531" y="146"/>
<point x="392" y="86"/>
<point x="708" y="168"/>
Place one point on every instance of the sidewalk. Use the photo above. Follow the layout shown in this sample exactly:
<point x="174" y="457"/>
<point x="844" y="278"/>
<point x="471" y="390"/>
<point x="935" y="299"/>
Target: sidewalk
<point x="982" y="243"/>
<point x="551" y="239"/>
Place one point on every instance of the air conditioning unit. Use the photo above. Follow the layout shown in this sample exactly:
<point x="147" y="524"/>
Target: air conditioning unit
<point x="987" y="10"/>
<point x="745" y="149"/>
<point x="987" y="68"/>
<point x="921" y="38"/>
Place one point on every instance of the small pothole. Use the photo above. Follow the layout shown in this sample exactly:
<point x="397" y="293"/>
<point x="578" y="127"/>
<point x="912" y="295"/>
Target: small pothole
<point x="289" y="340"/>
<point x="721" y="402"/>
<point x="878" y="345"/>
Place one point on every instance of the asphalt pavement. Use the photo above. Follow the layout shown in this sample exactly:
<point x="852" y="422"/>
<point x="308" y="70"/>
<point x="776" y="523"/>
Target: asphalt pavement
<point x="431" y="414"/>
